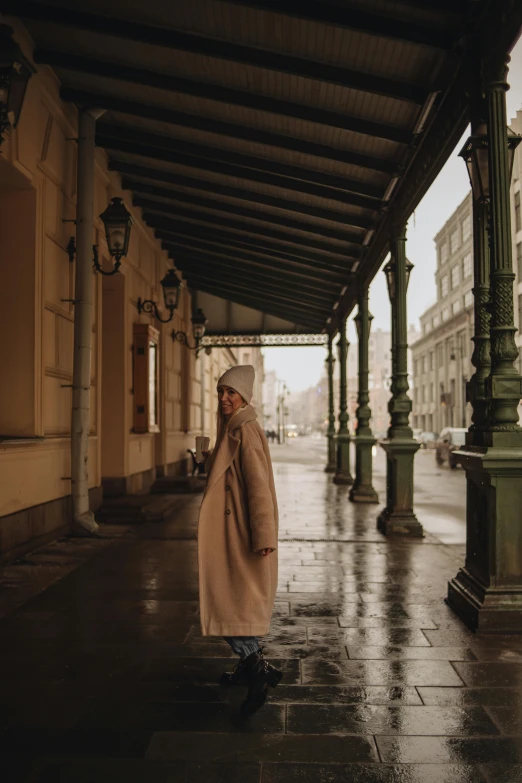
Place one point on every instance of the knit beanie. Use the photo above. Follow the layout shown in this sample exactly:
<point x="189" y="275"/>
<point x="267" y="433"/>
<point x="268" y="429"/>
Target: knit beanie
<point x="241" y="378"/>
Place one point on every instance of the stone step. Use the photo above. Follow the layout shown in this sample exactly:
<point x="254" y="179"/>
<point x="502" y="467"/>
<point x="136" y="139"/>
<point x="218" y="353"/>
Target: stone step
<point x="176" y="485"/>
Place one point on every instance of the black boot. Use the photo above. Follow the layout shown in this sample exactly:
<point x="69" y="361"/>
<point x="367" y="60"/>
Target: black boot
<point x="260" y="675"/>
<point x="238" y="676"/>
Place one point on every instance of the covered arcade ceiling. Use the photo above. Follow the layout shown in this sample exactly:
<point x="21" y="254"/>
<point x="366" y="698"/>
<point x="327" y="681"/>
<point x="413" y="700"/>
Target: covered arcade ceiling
<point x="269" y="143"/>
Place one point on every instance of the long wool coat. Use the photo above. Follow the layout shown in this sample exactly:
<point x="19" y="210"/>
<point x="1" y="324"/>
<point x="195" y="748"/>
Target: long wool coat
<point x="238" y="517"/>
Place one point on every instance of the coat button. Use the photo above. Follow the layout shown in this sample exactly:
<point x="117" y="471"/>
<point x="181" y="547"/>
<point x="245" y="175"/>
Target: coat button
<point x="227" y="488"/>
<point x="228" y="511"/>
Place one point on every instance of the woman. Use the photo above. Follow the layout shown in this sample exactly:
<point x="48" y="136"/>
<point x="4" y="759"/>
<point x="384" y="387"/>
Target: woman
<point x="237" y="538"/>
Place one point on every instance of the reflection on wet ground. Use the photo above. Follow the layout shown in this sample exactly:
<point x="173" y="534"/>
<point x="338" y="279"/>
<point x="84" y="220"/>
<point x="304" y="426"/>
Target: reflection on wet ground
<point x="105" y="676"/>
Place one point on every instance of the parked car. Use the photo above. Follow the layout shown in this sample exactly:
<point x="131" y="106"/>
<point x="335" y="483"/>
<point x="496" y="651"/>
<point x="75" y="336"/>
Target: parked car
<point x="428" y="440"/>
<point x="449" y="440"/>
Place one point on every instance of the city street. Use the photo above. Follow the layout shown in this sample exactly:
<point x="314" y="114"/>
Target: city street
<point x="440" y="493"/>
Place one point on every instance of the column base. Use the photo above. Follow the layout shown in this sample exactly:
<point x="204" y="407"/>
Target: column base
<point x="363" y="494"/>
<point x="330" y="469"/>
<point x="343" y="478"/>
<point x="487" y="610"/>
<point x="399" y="524"/>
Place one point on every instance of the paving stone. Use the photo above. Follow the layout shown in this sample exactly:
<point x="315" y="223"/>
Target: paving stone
<point x="337" y="694"/>
<point x="116" y="770"/>
<point x="469" y="696"/>
<point x="373" y="719"/>
<point x="263" y="747"/>
<point x="380" y="673"/>
<point x="508" y="719"/>
<point x="502" y="773"/>
<point x="449" y="750"/>
<point x="383" y="637"/>
<point x="371" y="773"/>
<point x="410" y="653"/>
<point x="492" y="674"/>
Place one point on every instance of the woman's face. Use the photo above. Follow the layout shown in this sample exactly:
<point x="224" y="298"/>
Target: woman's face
<point x="229" y="400"/>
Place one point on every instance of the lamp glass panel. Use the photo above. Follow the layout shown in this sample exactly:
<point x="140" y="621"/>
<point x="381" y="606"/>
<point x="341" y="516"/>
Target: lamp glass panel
<point x="171" y="287"/>
<point x="199" y="323"/>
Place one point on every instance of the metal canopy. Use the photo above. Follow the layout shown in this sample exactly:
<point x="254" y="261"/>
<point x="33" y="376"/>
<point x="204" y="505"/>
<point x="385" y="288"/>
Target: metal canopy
<point x="271" y="144"/>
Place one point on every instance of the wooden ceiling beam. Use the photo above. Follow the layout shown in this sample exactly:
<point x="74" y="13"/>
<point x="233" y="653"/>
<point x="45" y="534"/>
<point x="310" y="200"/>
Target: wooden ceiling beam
<point x="272" y="285"/>
<point x="335" y="263"/>
<point x="364" y="194"/>
<point x="230" y="170"/>
<point x="222" y="254"/>
<point x="228" y="51"/>
<point x="293" y="207"/>
<point x="241" y="98"/>
<point x="162" y="221"/>
<point x="232" y="263"/>
<point x="355" y="18"/>
<point x="221" y="207"/>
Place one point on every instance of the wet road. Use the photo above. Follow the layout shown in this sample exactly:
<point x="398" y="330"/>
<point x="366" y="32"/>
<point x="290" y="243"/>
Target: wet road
<point x="104" y="677"/>
<point x="440" y="493"/>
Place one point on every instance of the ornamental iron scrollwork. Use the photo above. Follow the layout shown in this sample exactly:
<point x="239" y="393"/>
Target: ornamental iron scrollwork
<point x="263" y="340"/>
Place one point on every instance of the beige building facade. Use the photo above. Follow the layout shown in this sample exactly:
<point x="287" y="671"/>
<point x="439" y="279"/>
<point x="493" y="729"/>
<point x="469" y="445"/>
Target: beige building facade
<point x="442" y="356"/>
<point x="38" y="175"/>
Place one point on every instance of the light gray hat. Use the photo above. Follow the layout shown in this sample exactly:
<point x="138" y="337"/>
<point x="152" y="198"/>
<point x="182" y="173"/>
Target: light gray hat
<point x="241" y="378"/>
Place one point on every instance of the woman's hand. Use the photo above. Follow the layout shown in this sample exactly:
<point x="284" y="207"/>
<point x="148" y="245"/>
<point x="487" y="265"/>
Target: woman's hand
<point x="264" y="552"/>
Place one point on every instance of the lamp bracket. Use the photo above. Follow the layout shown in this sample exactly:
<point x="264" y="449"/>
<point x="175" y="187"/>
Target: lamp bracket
<point x="148" y="306"/>
<point x="98" y="268"/>
<point x="182" y="337"/>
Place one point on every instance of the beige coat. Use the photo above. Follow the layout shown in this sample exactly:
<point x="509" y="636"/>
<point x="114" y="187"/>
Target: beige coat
<point x="238" y="516"/>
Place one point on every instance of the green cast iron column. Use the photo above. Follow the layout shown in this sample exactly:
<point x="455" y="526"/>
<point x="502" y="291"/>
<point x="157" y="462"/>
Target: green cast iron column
<point x="331" y="465"/>
<point x="398" y="517"/>
<point x="487" y="592"/>
<point x="342" y="474"/>
<point x="362" y="490"/>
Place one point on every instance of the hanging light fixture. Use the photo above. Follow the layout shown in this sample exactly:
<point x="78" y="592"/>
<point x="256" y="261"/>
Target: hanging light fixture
<point x="475" y="153"/>
<point x="170" y="286"/>
<point x="199" y="324"/>
<point x="15" y="72"/>
<point x="117" y="221"/>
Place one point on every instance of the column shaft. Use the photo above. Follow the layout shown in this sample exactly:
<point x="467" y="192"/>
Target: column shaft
<point x="331" y="465"/>
<point x="343" y="475"/>
<point x="362" y="490"/>
<point x="398" y="517"/>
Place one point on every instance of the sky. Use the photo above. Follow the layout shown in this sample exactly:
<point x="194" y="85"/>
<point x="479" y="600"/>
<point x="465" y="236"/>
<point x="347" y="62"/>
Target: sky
<point x="301" y="368"/>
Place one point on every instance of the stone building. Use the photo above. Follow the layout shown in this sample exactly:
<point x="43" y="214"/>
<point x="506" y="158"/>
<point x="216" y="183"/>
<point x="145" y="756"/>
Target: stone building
<point x="442" y="355"/>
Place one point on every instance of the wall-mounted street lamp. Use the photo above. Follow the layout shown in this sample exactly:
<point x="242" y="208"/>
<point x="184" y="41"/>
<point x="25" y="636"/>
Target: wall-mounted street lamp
<point x="199" y="323"/>
<point x="476" y="156"/>
<point x="117" y="221"/>
<point x="15" y="72"/>
<point x="389" y="271"/>
<point x="170" y="285"/>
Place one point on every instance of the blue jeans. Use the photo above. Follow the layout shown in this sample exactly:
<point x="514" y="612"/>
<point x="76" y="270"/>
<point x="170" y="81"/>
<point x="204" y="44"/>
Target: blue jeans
<point x="243" y="645"/>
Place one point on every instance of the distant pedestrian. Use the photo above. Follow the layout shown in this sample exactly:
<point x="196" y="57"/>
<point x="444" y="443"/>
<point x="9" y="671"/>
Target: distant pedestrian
<point x="237" y="538"/>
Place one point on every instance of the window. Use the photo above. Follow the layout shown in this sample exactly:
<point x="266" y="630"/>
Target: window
<point x="445" y="314"/>
<point x="468" y="299"/>
<point x="426" y="327"/>
<point x="432" y="360"/>
<point x="432" y="391"/>
<point x="454" y="240"/>
<point x="424" y="394"/>
<point x="435" y="321"/>
<point x="444" y="285"/>
<point x="415" y="368"/>
<point x="440" y="353"/>
<point x="455" y="306"/>
<point x="443" y="253"/>
<point x="518" y="216"/>
<point x="455" y="276"/>
<point x="519" y="261"/>
<point x="466" y="228"/>
<point x="425" y="363"/>
<point x="467" y="265"/>
<point x="145" y="378"/>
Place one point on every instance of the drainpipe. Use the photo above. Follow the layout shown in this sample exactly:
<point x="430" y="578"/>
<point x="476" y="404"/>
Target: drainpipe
<point x="83" y="518"/>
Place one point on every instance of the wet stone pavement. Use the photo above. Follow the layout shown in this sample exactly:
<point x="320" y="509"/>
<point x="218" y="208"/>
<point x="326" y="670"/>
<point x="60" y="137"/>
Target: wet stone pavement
<point x="105" y="677"/>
